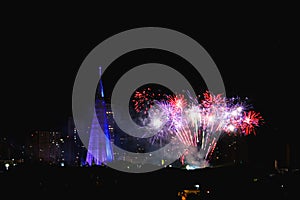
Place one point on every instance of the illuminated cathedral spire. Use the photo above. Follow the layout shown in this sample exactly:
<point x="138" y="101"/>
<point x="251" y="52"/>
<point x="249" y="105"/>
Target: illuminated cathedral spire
<point x="99" y="149"/>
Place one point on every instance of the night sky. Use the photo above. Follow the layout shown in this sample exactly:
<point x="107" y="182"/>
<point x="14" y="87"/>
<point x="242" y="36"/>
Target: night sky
<point x="43" y="49"/>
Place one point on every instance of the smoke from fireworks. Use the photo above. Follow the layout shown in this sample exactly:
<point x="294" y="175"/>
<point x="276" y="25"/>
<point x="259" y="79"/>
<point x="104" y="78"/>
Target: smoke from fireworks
<point x="196" y="124"/>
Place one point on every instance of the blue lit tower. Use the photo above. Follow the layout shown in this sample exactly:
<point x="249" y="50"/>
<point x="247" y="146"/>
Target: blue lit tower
<point x="99" y="149"/>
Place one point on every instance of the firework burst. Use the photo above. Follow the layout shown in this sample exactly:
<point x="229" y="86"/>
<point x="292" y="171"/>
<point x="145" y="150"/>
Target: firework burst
<point x="197" y="123"/>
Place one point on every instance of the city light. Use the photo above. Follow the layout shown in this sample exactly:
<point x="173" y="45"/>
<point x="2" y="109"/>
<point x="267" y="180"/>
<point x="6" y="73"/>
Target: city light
<point x="6" y="166"/>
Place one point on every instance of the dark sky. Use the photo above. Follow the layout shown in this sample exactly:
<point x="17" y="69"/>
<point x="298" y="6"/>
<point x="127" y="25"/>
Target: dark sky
<point x="43" y="49"/>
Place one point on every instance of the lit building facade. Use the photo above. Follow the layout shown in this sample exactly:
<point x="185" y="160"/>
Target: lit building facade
<point x="45" y="147"/>
<point x="73" y="150"/>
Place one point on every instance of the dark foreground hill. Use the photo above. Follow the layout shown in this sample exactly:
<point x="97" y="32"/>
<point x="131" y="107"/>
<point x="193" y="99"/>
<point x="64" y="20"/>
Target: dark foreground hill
<point x="231" y="182"/>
